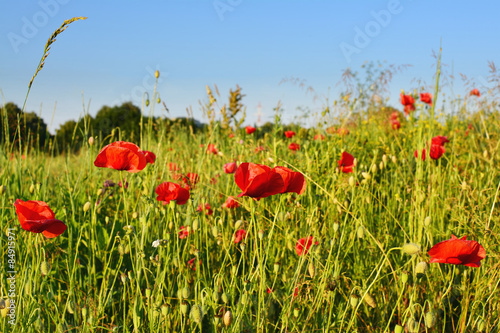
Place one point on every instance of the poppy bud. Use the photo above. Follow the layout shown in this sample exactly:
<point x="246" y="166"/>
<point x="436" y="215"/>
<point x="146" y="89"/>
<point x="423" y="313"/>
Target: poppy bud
<point x="384" y="159"/>
<point x="147" y="102"/>
<point x="412" y="325"/>
<point x="99" y="192"/>
<point x="196" y="224"/>
<point x="394" y="159"/>
<point x="135" y="215"/>
<point x="148" y="292"/>
<point x="86" y="207"/>
<point x="228" y="318"/>
<point x="158" y="100"/>
<point x="45" y="268"/>
<point x="481" y="325"/>
<point x="225" y="298"/>
<point x="296" y="312"/>
<point x="196" y="313"/>
<point x="184" y="308"/>
<point x="361" y="232"/>
<point x="4" y="307"/>
<point x="243" y="246"/>
<point x="311" y="269"/>
<point x="170" y="225"/>
<point x="427" y="221"/>
<point x="91" y="141"/>
<point x="121" y="249"/>
<point x="420" y="269"/>
<point x="185" y="292"/>
<point x="276" y="267"/>
<point x="354" y="299"/>
<point x="368" y="299"/>
<point x="411" y="249"/>
<point x="352" y="181"/>
<point x="366" y="175"/>
<point x="261" y="234"/>
<point x="165" y="310"/>
<point x="430" y="319"/>
<point x="336" y="226"/>
<point x="355" y="162"/>
<point x="398" y="329"/>
<point x="84" y="312"/>
<point x="130" y="275"/>
<point x="238" y="224"/>
<point x="215" y="231"/>
<point x="71" y="307"/>
<point x="124" y="278"/>
<point x="485" y="154"/>
<point x="157" y="74"/>
<point x="216" y="296"/>
<point x="404" y="277"/>
<point x="381" y="166"/>
<point x="374" y="168"/>
<point x="32" y="188"/>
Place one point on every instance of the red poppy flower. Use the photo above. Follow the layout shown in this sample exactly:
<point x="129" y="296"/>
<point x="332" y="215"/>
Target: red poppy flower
<point x="293" y="181"/>
<point x="191" y="179"/>
<point x="409" y="109"/>
<point x="184" y="232"/>
<point x="239" y="236"/>
<point x="426" y="98"/>
<point x="269" y="290"/>
<point x="230" y="203"/>
<point x="437" y="148"/>
<point x="289" y="134"/>
<point x="259" y="149"/>
<point x="475" y="92"/>
<point x="230" y="167"/>
<point x="231" y="135"/>
<point x="303" y="245"/>
<point x="439" y="140"/>
<point x="211" y="149"/>
<point x="331" y="130"/>
<point x="168" y="191"/>
<point x="207" y="209"/>
<point x="37" y="217"/>
<point x="121" y="155"/>
<point x="394" y="116"/>
<point x="250" y="129"/>
<point x="409" y="103"/>
<point x="150" y="157"/>
<point x="319" y="137"/>
<point x="191" y="264"/>
<point x="296" y="292"/>
<point x="346" y="162"/>
<point x="458" y="252"/>
<point x="395" y="124"/>
<point x="258" y="181"/>
<point x="173" y="166"/>
<point x="294" y="146"/>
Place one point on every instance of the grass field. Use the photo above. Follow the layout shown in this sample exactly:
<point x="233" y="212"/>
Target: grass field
<point x="349" y="252"/>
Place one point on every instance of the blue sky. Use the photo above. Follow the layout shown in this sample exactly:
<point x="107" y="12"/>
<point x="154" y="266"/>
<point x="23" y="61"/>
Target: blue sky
<point x="256" y="44"/>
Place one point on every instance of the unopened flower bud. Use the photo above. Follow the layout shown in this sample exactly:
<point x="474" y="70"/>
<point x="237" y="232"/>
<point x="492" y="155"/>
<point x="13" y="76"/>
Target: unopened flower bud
<point x="336" y="226"/>
<point x="84" y="312"/>
<point x="157" y="74"/>
<point x="196" y="313"/>
<point x="86" y="207"/>
<point x="45" y="268"/>
<point x="384" y="159"/>
<point x="411" y="249"/>
<point x="135" y="215"/>
<point x="311" y="269"/>
<point x="374" y="168"/>
<point x="124" y="278"/>
<point x="296" y="312"/>
<point x="430" y="319"/>
<point x="368" y="299"/>
<point x="360" y="232"/>
<point x="381" y="166"/>
<point x="91" y="141"/>
<point x="276" y="267"/>
<point x="165" y="310"/>
<point x="215" y="231"/>
<point x="196" y="224"/>
<point x="185" y="292"/>
<point x="228" y="318"/>
<point x="184" y="308"/>
<point x="481" y="325"/>
<point x="32" y="188"/>
<point x="427" y="221"/>
<point x="398" y="329"/>
<point x="261" y="234"/>
<point x="71" y="307"/>
<point x="354" y="299"/>
<point x="485" y="154"/>
<point x="366" y="175"/>
<point x="404" y="277"/>
<point x="394" y="159"/>
<point x="147" y="102"/>
<point x="352" y="181"/>
<point x="225" y="298"/>
<point x="420" y="269"/>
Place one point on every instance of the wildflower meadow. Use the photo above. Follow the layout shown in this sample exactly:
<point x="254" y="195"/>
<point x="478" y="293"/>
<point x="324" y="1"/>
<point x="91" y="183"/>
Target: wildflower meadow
<point x="374" y="219"/>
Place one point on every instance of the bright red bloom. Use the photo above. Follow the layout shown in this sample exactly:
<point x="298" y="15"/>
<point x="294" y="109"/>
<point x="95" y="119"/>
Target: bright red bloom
<point x="230" y="203"/>
<point x="439" y="140"/>
<point x="184" y="233"/>
<point x="207" y="209"/>
<point x="409" y="109"/>
<point x="437" y="148"/>
<point x="250" y="129"/>
<point x="394" y="116"/>
<point x="395" y="124"/>
<point x="168" y="191"/>
<point x="239" y="236"/>
<point x="475" y="92"/>
<point x="258" y="181"/>
<point x="294" y="146"/>
<point x="211" y="149"/>
<point x="289" y="134"/>
<point x="409" y="103"/>
<point x="269" y="290"/>
<point x="331" y="130"/>
<point x="426" y="98"/>
<point x="230" y="167"/>
<point x="259" y="149"/>
<point x="150" y="157"/>
<point x="458" y="252"/>
<point x="173" y="166"/>
<point x="231" y="135"/>
<point x="36" y="216"/>
<point x="303" y="245"/>
<point x="121" y="155"/>
<point x="191" y="264"/>
<point x="293" y="181"/>
<point x="319" y="137"/>
<point x="346" y="162"/>
<point x="191" y="179"/>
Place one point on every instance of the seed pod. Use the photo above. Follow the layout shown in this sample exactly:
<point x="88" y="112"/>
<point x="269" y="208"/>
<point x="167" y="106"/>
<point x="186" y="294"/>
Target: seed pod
<point x="196" y="313"/>
<point x="430" y="319"/>
<point x="45" y="268"/>
<point x="228" y="318"/>
<point x="411" y="249"/>
<point x="368" y="299"/>
<point x="311" y="269"/>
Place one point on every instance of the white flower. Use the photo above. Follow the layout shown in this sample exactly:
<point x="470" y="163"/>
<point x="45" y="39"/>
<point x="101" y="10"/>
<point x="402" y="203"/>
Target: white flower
<point x="156" y="243"/>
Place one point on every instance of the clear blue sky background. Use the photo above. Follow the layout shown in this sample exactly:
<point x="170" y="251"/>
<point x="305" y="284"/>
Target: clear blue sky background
<point x="253" y="43"/>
